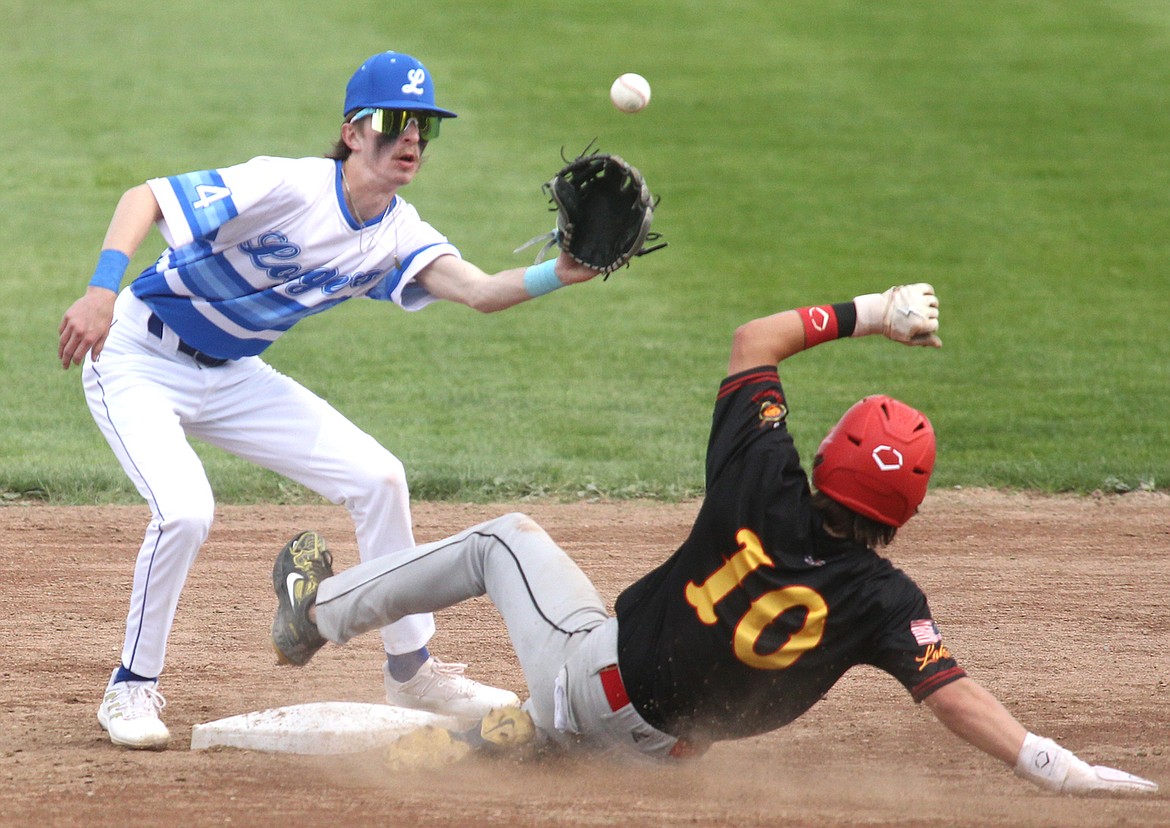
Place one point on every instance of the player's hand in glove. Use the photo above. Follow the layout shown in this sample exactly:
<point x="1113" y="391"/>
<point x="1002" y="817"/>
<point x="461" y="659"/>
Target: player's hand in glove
<point x="1054" y="768"/>
<point x="904" y="313"/>
<point x="604" y="210"/>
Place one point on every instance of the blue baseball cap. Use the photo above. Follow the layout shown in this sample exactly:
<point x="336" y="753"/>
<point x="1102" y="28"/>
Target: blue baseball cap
<point x="392" y="80"/>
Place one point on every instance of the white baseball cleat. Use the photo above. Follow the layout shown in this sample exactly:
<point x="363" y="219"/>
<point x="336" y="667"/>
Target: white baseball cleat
<point x="129" y="713"/>
<point x="442" y="688"/>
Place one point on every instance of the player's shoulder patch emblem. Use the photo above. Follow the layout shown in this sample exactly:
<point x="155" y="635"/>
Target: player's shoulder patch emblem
<point x="773" y="411"/>
<point x="772" y="407"/>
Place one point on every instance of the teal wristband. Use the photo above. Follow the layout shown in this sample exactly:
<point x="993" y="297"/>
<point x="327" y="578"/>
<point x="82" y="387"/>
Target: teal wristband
<point x="111" y="267"/>
<point x="542" y="278"/>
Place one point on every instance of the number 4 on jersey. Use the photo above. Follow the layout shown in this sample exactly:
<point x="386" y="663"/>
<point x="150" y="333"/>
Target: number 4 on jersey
<point x="209" y="194"/>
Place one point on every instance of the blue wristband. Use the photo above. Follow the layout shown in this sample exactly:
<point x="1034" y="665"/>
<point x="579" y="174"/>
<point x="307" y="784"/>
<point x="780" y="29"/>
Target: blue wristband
<point x="542" y="278"/>
<point x="111" y="267"/>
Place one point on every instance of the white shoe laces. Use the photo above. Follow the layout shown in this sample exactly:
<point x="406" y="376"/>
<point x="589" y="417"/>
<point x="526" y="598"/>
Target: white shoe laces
<point x="438" y="677"/>
<point x="137" y="701"/>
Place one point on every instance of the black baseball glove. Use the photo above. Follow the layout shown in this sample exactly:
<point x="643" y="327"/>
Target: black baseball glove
<point x="604" y="210"/>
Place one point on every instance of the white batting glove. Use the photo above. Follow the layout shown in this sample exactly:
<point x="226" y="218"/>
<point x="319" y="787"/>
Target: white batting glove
<point x="904" y="313"/>
<point x="1045" y="763"/>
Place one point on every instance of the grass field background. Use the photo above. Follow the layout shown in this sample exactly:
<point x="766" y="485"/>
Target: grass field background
<point x="1014" y="154"/>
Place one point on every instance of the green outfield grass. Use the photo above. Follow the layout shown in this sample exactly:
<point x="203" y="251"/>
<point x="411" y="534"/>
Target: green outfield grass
<point x="1014" y="154"/>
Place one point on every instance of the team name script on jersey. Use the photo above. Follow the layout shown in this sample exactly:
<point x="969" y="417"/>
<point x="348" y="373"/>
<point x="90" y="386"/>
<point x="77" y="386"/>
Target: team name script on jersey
<point x="934" y="653"/>
<point x="273" y="253"/>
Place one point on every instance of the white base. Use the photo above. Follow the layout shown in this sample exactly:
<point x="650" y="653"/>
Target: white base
<point x="315" y="728"/>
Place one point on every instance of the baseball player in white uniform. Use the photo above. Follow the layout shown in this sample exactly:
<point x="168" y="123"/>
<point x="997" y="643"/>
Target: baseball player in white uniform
<point x="253" y="249"/>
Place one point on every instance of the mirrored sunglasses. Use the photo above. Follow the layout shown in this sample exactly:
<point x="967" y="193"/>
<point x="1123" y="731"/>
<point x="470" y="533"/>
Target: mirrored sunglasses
<point x="393" y="122"/>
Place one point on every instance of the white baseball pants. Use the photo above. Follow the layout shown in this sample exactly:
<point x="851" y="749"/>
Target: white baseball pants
<point x="148" y="399"/>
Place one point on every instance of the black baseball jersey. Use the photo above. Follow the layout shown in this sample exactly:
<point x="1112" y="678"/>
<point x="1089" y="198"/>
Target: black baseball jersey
<point x="760" y="611"/>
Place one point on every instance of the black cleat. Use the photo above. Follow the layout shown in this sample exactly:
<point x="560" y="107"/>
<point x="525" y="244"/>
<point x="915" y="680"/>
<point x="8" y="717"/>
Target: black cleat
<point x="299" y="569"/>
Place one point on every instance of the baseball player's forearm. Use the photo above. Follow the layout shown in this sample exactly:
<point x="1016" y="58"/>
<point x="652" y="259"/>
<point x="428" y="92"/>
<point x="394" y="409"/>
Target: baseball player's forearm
<point x="772" y="339"/>
<point x="136" y="212"/>
<point x="455" y="280"/>
<point x="86" y="323"/>
<point x="975" y="715"/>
<point x="904" y="313"/>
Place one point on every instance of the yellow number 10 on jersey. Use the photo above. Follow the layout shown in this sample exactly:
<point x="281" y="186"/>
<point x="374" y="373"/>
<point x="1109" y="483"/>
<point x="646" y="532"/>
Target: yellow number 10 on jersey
<point x="763" y="611"/>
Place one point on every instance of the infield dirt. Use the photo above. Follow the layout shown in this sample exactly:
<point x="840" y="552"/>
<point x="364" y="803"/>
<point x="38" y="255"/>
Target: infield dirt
<point x="1059" y="605"/>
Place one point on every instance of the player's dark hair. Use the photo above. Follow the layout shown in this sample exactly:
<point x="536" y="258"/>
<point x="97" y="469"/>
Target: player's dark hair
<point x="841" y="520"/>
<point x="340" y="151"/>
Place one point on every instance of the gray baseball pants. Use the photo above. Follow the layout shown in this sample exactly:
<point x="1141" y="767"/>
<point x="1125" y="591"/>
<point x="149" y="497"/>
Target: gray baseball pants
<point x="557" y="621"/>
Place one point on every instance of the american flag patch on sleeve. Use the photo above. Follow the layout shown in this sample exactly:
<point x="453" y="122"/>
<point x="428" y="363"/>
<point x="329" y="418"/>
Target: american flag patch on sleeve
<point x="925" y="632"/>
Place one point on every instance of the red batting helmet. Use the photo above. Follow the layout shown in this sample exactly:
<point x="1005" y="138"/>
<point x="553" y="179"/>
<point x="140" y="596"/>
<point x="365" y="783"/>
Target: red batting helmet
<point x="877" y="460"/>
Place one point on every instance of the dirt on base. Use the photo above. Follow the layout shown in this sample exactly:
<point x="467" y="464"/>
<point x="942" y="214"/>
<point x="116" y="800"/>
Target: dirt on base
<point x="1058" y="605"/>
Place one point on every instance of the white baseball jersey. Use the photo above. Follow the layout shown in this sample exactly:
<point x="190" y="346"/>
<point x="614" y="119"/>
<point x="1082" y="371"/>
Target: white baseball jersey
<point x="256" y="247"/>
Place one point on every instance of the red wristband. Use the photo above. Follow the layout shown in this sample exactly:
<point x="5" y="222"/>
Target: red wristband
<point x="820" y="324"/>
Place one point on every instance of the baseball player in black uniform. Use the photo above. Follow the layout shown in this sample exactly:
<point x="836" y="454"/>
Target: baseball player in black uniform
<point x="776" y="593"/>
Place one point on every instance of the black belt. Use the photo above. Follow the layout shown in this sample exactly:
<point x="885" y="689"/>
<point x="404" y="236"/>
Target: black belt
<point x="155" y="326"/>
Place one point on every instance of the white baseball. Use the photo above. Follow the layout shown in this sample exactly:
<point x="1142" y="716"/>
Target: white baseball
<point x="630" y="92"/>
